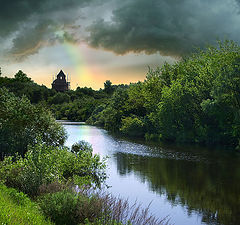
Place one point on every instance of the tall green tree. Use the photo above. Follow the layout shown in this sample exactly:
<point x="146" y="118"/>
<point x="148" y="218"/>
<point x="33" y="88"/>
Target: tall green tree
<point x="21" y="76"/>
<point x="22" y="123"/>
<point x="108" y="88"/>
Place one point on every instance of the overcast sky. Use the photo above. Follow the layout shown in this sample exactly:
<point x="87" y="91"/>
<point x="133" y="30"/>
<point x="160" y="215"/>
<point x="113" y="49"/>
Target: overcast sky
<point x="96" y="40"/>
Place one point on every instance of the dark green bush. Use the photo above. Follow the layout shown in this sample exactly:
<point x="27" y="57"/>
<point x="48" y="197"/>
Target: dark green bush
<point x="59" y="98"/>
<point x="61" y="207"/>
<point x="67" y="207"/>
<point x="81" y="146"/>
<point x="132" y="126"/>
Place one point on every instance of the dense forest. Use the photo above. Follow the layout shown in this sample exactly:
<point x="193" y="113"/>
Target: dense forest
<point x="195" y="100"/>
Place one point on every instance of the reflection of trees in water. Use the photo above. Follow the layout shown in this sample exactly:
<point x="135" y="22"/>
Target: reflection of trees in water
<point x="211" y="189"/>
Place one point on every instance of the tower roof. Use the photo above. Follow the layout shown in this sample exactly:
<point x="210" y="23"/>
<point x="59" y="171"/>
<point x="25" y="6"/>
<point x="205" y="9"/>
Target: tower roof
<point x="61" y="73"/>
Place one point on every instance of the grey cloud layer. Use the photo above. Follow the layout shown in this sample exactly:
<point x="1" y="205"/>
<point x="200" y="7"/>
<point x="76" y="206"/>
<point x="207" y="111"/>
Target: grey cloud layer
<point x="32" y="24"/>
<point x="171" y="27"/>
<point x="16" y="12"/>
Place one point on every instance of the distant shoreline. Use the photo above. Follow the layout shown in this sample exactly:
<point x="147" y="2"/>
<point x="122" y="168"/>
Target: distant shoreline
<point x="68" y="122"/>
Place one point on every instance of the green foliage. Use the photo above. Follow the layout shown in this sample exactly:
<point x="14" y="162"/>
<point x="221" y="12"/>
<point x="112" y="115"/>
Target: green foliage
<point x="97" y="117"/>
<point x="81" y="109"/>
<point x="22" y="77"/>
<point x="67" y="207"/>
<point x="132" y="126"/>
<point x="194" y="100"/>
<point x="80" y="147"/>
<point x="201" y="104"/>
<point x="21" y="123"/>
<point x="108" y="88"/>
<point x="22" y="85"/>
<point x="135" y="103"/>
<point x="59" y="98"/>
<point x="60" y="207"/>
<point x="44" y="165"/>
<point x="110" y="116"/>
<point x="16" y="208"/>
<point x="79" y="105"/>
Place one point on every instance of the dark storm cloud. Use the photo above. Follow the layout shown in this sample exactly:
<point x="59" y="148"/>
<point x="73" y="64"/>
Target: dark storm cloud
<point x="15" y="12"/>
<point x="32" y="24"/>
<point x="45" y="33"/>
<point x="171" y="27"/>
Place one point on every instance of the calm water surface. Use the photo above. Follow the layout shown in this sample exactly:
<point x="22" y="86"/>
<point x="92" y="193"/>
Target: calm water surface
<point x="191" y="185"/>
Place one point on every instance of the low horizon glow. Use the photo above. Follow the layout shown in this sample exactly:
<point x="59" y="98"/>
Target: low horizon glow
<point x="85" y="66"/>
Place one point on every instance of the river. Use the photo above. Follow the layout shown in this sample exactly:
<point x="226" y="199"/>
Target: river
<point x="190" y="185"/>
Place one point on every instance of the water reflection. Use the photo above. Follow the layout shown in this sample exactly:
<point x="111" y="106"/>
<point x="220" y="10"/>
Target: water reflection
<point x="192" y="185"/>
<point x="211" y="189"/>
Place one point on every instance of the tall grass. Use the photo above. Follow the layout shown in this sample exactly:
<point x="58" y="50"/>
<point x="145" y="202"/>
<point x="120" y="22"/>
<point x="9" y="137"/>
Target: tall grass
<point x="118" y="210"/>
<point x="16" y="208"/>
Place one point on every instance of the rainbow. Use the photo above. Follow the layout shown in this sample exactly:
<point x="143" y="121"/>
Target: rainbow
<point x="86" y="74"/>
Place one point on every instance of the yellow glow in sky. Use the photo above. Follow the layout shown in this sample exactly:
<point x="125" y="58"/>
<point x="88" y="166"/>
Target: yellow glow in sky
<point x="85" y="66"/>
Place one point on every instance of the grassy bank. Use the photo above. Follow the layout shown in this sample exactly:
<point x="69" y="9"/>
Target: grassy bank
<point x="17" y="208"/>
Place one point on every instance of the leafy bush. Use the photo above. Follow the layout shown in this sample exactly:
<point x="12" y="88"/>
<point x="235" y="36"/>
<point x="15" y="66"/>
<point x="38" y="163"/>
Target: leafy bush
<point x="21" y="123"/>
<point x="67" y="207"/>
<point x="60" y="207"/>
<point x="81" y="146"/>
<point x="43" y="165"/>
<point x="132" y="126"/>
<point x="16" y="208"/>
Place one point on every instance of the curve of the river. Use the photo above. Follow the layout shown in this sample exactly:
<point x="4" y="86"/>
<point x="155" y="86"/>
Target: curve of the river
<point x="190" y="185"/>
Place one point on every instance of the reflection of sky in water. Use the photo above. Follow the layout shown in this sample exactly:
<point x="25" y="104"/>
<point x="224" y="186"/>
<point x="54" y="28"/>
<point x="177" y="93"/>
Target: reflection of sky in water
<point x="131" y="185"/>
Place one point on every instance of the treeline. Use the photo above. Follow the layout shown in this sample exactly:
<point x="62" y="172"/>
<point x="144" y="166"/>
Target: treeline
<point x="72" y="105"/>
<point x="195" y="100"/>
